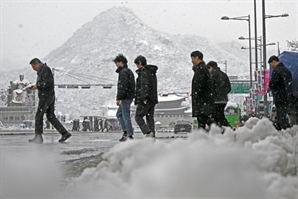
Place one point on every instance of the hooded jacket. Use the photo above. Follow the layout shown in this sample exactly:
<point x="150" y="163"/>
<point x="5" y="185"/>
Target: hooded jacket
<point x="126" y="83"/>
<point x="146" y="87"/>
<point x="201" y="90"/>
<point x="221" y="85"/>
<point x="281" y="84"/>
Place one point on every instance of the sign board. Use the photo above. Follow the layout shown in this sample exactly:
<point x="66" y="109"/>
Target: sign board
<point x="240" y="87"/>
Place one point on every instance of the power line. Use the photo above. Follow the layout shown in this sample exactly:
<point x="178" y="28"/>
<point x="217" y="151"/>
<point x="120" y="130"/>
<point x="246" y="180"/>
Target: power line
<point x="82" y="77"/>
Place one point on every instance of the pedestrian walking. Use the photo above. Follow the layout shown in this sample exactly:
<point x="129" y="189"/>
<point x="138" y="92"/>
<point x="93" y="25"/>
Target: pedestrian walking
<point x="46" y="104"/>
<point x="101" y="124"/>
<point x="281" y="86"/>
<point x="201" y="91"/>
<point x="125" y="95"/>
<point x="146" y="95"/>
<point x="221" y="88"/>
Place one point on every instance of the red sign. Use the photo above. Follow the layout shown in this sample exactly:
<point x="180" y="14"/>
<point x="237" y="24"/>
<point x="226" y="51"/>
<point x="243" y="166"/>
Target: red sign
<point x="262" y="84"/>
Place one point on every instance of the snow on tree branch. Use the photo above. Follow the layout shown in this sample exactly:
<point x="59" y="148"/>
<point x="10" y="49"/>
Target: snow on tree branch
<point x="292" y="45"/>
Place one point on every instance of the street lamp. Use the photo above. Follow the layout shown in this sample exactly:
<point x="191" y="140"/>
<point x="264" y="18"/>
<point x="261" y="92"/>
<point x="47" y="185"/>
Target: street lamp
<point x="259" y="48"/>
<point x="269" y="44"/>
<point x="261" y="44"/>
<point x="256" y="49"/>
<point x="244" y="18"/>
<point x="264" y="17"/>
<point x="275" y="16"/>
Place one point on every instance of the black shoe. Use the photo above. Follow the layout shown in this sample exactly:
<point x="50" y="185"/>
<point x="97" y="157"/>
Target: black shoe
<point x="65" y="136"/>
<point x="149" y="135"/>
<point x="37" y="139"/>
<point x="124" y="137"/>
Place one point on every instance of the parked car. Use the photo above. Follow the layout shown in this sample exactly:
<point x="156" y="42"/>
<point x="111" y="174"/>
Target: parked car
<point x="182" y="126"/>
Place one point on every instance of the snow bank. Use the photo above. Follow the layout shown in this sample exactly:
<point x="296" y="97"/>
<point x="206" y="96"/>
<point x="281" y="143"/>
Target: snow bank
<point x="252" y="162"/>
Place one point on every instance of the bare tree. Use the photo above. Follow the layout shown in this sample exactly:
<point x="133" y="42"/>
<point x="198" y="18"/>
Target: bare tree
<point x="292" y="45"/>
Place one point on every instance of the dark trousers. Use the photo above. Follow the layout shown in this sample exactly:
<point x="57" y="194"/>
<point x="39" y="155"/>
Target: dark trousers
<point x="219" y="115"/>
<point x="293" y="112"/>
<point x="281" y="121"/>
<point x="148" y="111"/>
<point x="47" y="106"/>
<point x="203" y="120"/>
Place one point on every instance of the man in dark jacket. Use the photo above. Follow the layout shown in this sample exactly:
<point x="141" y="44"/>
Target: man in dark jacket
<point x="125" y="95"/>
<point x="201" y="91"/>
<point x="146" y="95"/>
<point x="221" y="86"/>
<point x="46" y="104"/>
<point x="281" y="86"/>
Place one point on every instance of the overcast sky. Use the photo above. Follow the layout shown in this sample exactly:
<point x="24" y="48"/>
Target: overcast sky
<point x="34" y="28"/>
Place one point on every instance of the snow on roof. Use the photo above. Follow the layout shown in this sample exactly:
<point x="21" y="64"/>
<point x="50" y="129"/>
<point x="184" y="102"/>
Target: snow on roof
<point x="169" y="98"/>
<point x="112" y="113"/>
<point x="233" y="104"/>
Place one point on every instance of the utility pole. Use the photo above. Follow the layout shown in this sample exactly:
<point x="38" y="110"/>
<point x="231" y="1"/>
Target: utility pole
<point x="256" y="36"/>
<point x="264" y="56"/>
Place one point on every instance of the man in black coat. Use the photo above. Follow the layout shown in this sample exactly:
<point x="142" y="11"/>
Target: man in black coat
<point x="222" y="86"/>
<point x="125" y="95"/>
<point x="46" y="104"/>
<point x="201" y="91"/>
<point x="281" y="86"/>
<point x="146" y="95"/>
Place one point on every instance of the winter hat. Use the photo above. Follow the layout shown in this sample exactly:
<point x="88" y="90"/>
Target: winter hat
<point x="212" y="64"/>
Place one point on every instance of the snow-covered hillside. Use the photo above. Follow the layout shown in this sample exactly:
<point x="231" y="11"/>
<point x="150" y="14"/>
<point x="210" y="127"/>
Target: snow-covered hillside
<point x="86" y="57"/>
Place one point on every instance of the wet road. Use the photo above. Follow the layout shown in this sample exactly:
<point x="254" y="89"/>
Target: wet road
<point x="83" y="150"/>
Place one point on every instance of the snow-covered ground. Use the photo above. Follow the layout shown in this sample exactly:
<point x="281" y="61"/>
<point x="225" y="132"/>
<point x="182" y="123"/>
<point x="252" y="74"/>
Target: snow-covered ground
<point x="255" y="161"/>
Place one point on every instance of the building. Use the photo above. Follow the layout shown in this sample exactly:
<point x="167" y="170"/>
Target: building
<point x="170" y="108"/>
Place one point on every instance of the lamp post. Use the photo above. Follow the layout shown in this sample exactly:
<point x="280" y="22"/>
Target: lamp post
<point x="264" y="17"/>
<point x="258" y="47"/>
<point x="256" y="36"/>
<point x="244" y="18"/>
<point x="275" y="16"/>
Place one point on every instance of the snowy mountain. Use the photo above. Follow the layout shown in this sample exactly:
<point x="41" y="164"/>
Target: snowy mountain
<point x="86" y="57"/>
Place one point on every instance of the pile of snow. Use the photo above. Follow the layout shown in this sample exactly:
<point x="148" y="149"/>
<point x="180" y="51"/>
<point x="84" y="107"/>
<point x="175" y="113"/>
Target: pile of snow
<point x="254" y="161"/>
<point x="29" y="173"/>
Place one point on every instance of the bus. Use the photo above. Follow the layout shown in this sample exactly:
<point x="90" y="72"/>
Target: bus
<point x="232" y="114"/>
